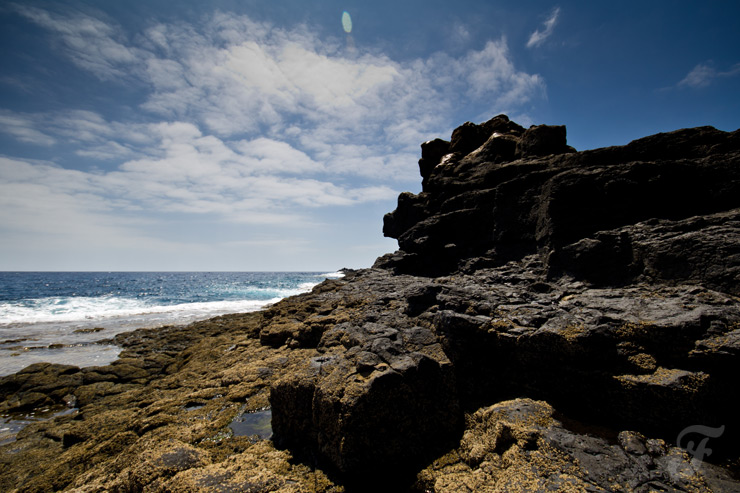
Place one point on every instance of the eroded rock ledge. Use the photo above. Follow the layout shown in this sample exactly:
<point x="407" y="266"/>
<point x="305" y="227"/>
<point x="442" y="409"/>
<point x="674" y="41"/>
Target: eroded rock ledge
<point x="553" y="320"/>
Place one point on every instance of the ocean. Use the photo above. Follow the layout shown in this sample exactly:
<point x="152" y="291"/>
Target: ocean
<point x="60" y="317"/>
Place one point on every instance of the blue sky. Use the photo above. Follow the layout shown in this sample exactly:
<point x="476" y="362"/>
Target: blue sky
<point x="252" y="135"/>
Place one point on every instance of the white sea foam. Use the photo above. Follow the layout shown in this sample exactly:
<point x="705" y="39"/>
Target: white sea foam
<point x="67" y="309"/>
<point x="332" y="275"/>
<point x="86" y="309"/>
<point x="67" y="335"/>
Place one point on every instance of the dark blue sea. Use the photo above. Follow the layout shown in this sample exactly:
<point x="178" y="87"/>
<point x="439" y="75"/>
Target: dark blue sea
<point x="58" y="317"/>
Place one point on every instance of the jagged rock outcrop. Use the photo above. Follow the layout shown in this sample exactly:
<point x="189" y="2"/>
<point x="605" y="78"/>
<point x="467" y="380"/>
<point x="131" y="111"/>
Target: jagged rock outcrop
<point x="653" y="359"/>
<point x="488" y="207"/>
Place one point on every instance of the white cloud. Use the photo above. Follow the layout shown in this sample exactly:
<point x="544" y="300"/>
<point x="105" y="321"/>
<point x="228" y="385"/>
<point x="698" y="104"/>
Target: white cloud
<point x="705" y="74"/>
<point x="254" y="181"/>
<point x="539" y="36"/>
<point x="273" y="156"/>
<point x="263" y="79"/>
<point x="92" y="44"/>
<point x="22" y="128"/>
<point x="700" y="76"/>
<point x="236" y="78"/>
<point x="492" y="71"/>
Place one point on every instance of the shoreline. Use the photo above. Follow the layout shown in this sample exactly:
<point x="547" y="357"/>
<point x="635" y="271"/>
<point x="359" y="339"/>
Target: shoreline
<point x="68" y="353"/>
<point x="173" y="372"/>
<point x="143" y="339"/>
<point x="85" y="338"/>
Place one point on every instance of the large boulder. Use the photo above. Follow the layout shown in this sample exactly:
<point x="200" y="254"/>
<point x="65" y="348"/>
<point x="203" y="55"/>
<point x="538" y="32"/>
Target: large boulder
<point x="542" y="140"/>
<point x="431" y="154"/>
<point x="382" y="395"/>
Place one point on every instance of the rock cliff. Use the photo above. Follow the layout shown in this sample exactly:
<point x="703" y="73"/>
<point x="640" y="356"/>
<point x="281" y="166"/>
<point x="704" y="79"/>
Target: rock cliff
<point x="553" y="320"/>
<point x="662" y="208"/>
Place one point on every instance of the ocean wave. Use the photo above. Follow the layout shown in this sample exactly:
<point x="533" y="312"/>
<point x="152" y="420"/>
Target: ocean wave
<point x="48" y="310"/>
<point x="63" y="317"/>
<point x="263" y="293"/>
<point x="89" y="308"/>
<point x="332" y="275"/>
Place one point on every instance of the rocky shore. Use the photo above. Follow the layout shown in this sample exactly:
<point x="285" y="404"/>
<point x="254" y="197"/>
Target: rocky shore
<point x="553" y="321"/>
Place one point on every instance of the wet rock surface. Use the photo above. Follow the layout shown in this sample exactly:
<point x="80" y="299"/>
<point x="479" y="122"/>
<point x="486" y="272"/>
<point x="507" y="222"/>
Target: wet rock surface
<point x="553" y="320"/>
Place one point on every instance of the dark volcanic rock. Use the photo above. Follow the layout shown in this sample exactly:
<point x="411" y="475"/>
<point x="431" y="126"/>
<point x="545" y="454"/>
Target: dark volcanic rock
<point x="469" y="136"/>
<point x="490" y="207"/>
<point x="431" y="154"/>
<point x="592" y="280"/>
<point x="702" y="249"/>
<point x="358" y="404"/>
<point x="40" y="384"/>
<point x="393" y="382"/>
<point x="542" y="140"/>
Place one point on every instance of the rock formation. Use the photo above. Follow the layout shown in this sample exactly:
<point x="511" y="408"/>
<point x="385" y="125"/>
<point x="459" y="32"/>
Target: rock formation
<point x="607" y="216"/>
<point x="604" y="282"/>
<point x="553" y="320"/>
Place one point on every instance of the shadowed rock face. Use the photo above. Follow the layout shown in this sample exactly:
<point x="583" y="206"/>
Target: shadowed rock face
<point x="584" y="212"/>
<point x="382" y="394"/>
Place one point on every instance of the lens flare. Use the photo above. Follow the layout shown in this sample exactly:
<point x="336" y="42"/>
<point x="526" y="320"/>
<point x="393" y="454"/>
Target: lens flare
<point x="346" y="22"/>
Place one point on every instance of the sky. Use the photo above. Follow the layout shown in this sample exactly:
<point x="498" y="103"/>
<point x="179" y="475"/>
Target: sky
<point x="245" y="135"/>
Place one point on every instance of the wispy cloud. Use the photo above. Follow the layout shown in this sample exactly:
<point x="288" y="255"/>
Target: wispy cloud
<point x="91" y="133"/>
<point x="91" y="43"/>
<point x="187" y="172"/>
<point x="540" y="35"/>
<point x="705" y="74"/>
<point x="22" y="127"/>
<point x="232" y="75"/>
